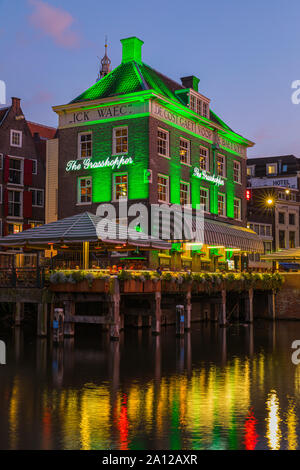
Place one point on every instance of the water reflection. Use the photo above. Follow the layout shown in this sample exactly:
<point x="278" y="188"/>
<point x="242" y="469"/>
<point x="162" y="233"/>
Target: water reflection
<point x="213" y="389"/>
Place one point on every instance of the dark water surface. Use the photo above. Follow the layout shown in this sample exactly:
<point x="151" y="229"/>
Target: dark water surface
<point x="217" y="388"/>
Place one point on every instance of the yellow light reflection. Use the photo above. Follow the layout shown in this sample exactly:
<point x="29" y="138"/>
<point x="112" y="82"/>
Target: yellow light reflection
<point x="273" y="421"/>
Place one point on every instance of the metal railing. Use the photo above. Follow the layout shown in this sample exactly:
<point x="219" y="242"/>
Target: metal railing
<point x="22" y="277"/>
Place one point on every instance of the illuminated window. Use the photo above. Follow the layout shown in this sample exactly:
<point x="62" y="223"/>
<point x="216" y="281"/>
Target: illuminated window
<point x="184" y="193"/>
<point x="204" y="159"/>
<point x="37" y="197"/>
<point x="204" y="198"/>
<point x="221" y="165"/>
<point x="237" y="208"/>
<point x="120" y="186"/>
<point x="163" y="188"/>
<point x="15" y="203"/>
<point x="14" y="228"/>
<point x="163" y="142"/>
<point x="120" y="140"/>
<point x="237" y="171"/>
<point x="85" y="145"/>
<point x="292" y="238"/>
<point x="267" y="247"/>
<point x="281" y="239"/>
<point x="184" y="147"/>
<point x="35" y="224"/>
<point x="251" y="170"/>
<point x="15" y="138"/>
<point x="272" y="169"/>
<point x="84" y="190"/>
<point x="221" y="204"/>
<point x="15" y="171"/>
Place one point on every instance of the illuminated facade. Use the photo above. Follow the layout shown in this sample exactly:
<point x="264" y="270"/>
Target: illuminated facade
<point x="140" y="136"/>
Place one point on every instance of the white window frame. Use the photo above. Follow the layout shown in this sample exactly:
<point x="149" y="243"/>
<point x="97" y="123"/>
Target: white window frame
<point x="161" y="129"/>
<point x="22" y="170"/>
<point x="166" y="177"/>
<point x="223" y="175"/>
<point x="240" y="208"/>
<point x="79" y="143"/>
<point x="114" y="143"/>
<point x="188" y="191"/>
<point x="188" y="151"/>
<point x="207" y="206"/>
<point x="207" y="162"/>
<point x="43" y="193"/>
<point x="267" y="169"/>
<point x="36" y="163"/>
<point x="239" y="181"/>
<point x="17" y="217"/>
<point x="122" y="173"/>
<point x="12" y="131"/>
<point x="79" y="203"/>
<point x="224" y="211"/>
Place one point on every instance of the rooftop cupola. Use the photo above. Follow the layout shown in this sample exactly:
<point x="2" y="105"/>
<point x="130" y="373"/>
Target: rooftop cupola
<point x="105" y="64"/>
<point x="132" y="49"/>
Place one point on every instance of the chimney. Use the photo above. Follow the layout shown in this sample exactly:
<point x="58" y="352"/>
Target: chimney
<point x="15" y="102"/>
<point x="190" y="82"/>
<point x="132" y="50"/>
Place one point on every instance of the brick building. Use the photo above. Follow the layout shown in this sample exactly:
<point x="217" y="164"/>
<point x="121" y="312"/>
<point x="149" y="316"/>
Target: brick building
<point x="138" y="135"/>
<point x="273" y="207"/>
<point x="22" y="170"/>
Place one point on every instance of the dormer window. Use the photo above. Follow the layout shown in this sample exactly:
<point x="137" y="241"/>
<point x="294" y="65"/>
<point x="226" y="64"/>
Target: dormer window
<point x="271" y="169"/>
<point x="199" y="104"/>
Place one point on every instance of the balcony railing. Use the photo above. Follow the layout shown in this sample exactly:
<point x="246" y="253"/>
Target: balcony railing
<point x="22" y="277"/>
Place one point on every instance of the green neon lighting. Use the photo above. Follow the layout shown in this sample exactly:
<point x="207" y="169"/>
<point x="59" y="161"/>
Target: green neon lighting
<point x="132" y="49"/>
<point x="88" y="164"/>
<point x="114" y="119"/>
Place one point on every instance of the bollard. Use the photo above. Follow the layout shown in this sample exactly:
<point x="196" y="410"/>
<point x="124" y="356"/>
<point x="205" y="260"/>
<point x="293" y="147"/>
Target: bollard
<point x="180" y="320"/>
<point x="58" y="325"/>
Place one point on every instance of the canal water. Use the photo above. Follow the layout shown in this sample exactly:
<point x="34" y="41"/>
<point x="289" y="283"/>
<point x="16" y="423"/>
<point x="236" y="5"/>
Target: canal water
<point x="217" y="388"/>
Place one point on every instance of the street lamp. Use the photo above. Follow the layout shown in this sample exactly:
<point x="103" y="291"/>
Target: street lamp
<point x="270" y="201"/>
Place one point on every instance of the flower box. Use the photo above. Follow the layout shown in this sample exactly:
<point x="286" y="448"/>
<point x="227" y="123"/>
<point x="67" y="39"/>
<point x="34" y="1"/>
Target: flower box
<point x="97" y="285"/>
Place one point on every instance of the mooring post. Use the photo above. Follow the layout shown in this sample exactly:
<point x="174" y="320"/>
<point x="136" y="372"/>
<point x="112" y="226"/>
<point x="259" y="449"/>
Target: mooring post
<point x="180" y="320"/>
<point x="18" y="313"/>
<point x="271" y="305"/>
<point x="249" y="306"/>
<point x="156" y="316"/>
<point x="188" y="315"/>
<point x="69" y="326"/>
<point x="114" y="307"/>
<point x="222" y="312"/>
<point x="42" y="320"/>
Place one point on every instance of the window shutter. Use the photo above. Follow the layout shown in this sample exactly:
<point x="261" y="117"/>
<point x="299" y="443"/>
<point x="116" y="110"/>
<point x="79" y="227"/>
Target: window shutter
<point x="6" y="168"/>
<point x="27" y="204"/>
<point x="27" y="172"/>
<point x="5" y="201"/>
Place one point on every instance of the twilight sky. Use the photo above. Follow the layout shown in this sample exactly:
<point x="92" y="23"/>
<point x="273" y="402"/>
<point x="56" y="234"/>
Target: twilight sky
<point x="246" y="54"/>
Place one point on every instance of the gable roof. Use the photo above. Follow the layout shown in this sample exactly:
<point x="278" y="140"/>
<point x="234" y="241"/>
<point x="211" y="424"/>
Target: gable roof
<point x="45" y="132"/>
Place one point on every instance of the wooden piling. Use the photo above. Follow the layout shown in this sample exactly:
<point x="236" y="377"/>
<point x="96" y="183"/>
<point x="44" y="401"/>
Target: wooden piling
<point x="114" y="308"/>
<point x="222" y="312"/>
<point x="249" y="306"/>
<point x="69" y="326"/>
<point x="42" y="320"/>
<point x="18" y="313"/>
<point x="156" y="316"/>
<point x="271" y="305"/>
<point x="188" y="316"/>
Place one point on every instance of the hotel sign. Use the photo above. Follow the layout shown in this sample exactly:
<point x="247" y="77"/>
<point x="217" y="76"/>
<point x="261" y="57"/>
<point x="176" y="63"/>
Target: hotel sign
<point x="88" y="164"/>
<point x="203" y="175"/>
<point x="101" y="113"/>
<point x="288" y="182"/>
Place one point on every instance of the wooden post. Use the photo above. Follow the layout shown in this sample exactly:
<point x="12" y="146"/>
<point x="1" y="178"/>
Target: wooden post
<point x="114" y="307"/>
<point x="188" y="315"/>
<point x="271" y="305"/>
<point x="180" y="320"/>
<point x="69" y="326"/>
<point x="156" y="316"/>
<point x="222" y="313"/>
<point x="249" y="306"/>
<point x="42" y="321"/>
<point x="18" y="313"/>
